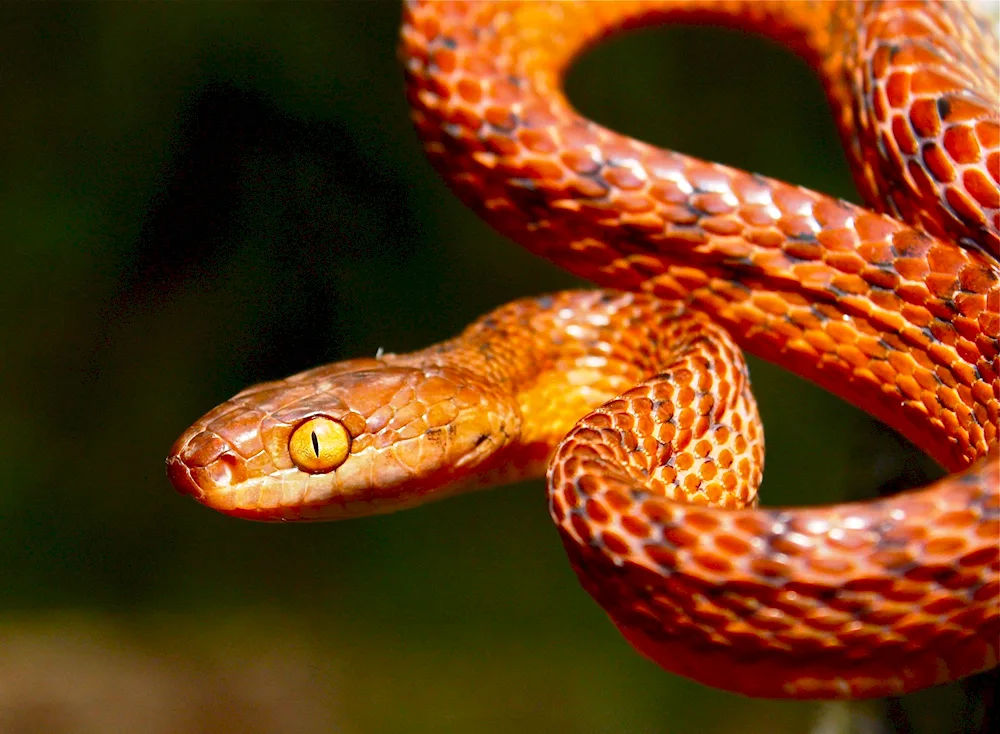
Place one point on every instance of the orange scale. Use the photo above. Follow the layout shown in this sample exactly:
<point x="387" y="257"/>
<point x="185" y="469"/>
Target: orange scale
<point x="582" y="528"/>
<point x="614" y="543"/>
<point x="982" y="189"/>
<point x="635" y="526"/>
<point x="965" y="206"/>
<point x="661" y="556"/>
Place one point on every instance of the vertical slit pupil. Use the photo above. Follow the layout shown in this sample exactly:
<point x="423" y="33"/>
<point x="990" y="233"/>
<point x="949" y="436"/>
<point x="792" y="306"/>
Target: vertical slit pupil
<point x="315" y="442"/>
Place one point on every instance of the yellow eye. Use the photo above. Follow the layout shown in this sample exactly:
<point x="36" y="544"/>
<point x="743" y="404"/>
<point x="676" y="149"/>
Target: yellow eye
<point x="319" y="445"/>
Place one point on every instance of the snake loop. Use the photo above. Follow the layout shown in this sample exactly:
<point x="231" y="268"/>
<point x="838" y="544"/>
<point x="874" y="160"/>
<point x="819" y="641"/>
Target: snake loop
<point x="654" y="489"/>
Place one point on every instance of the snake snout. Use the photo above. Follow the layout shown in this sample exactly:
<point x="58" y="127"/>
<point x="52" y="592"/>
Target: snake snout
<point x="201" y="464"/>
<point x="180" y="476"/>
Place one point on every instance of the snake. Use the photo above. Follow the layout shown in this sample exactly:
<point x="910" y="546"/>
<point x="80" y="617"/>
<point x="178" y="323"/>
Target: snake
<point x="633" y="399"/>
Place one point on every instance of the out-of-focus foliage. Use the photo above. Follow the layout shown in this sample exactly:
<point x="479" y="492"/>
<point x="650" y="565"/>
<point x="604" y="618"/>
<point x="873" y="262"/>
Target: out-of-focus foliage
<point x="195" y="197"/>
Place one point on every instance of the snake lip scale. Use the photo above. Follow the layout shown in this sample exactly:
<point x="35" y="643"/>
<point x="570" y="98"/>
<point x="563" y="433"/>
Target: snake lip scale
<point x="895" y="308"/>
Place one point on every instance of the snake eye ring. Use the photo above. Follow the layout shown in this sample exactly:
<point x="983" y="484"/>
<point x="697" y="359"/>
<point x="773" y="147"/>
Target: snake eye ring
<point x="319" y="445"/>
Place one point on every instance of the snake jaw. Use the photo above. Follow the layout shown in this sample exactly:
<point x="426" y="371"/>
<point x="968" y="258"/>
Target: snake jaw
<point x="180" y="476"/>
<point x="412" y="425"/>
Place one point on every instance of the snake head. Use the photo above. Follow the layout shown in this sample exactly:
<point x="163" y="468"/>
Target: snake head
<point x="353" y="438"/>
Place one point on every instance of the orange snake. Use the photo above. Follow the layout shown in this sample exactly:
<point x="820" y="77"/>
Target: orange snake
<point x="864" y="599"/>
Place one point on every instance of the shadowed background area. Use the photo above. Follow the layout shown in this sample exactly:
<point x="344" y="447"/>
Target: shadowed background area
<point x="199" y="197"/>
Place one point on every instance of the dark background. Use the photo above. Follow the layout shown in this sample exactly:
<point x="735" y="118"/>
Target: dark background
<point x="198" y="197"/>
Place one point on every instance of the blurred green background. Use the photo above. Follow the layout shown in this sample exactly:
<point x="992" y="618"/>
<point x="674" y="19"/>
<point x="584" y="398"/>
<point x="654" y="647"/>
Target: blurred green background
<point x="197" y="197"/>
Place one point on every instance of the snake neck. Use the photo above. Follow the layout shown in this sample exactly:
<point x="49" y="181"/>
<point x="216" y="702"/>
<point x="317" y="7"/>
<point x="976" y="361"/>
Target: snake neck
<point x="586" y="348"/>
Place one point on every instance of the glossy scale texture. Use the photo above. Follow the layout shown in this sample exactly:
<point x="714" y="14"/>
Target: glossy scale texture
<point x="654" y="490"/>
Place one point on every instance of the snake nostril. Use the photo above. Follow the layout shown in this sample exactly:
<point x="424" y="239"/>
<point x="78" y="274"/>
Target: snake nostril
<point x="228" y="469"/>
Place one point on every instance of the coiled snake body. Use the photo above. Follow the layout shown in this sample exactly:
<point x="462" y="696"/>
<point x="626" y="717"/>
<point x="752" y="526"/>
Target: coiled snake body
<point x="654" y="489"/>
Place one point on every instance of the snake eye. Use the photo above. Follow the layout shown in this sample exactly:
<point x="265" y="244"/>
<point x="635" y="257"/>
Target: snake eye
<point x="319" y="445"/>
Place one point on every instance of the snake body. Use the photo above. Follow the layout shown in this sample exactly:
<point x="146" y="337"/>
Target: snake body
<point x="654" y="489"/>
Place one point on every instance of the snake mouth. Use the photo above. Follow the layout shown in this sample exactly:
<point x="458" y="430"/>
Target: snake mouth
<point x="180" y="476"/>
